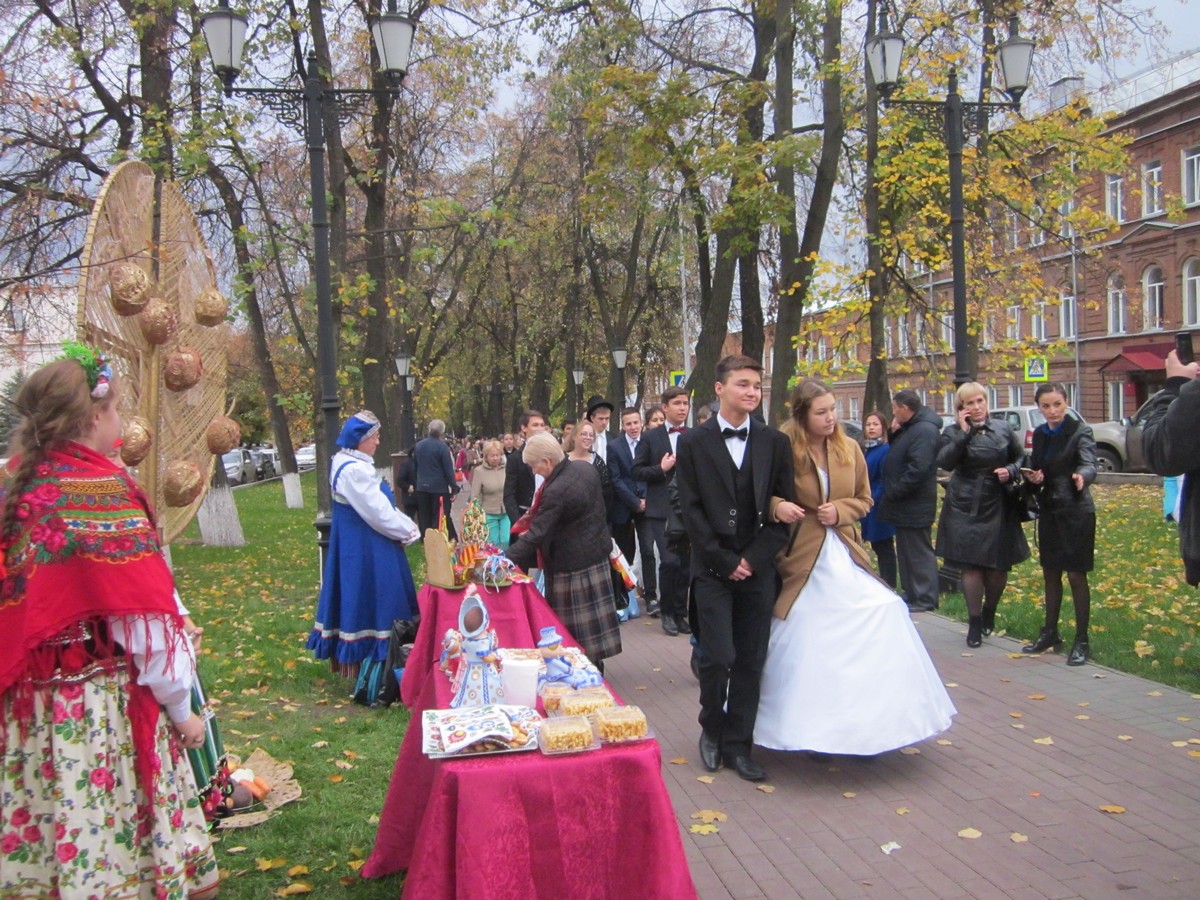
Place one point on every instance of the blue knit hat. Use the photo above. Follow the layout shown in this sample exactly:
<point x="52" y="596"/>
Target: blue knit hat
<point x="358" y="428"/>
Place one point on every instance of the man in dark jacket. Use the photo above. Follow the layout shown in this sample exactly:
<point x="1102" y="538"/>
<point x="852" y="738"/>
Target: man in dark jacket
<point x="1169" y="441"/>
<point x="434" y="479"/>
<point x="519" y="480"/>
<point x="910" y="497"/>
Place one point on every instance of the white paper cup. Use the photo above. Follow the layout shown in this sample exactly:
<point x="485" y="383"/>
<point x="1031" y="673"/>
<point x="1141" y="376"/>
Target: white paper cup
<point x="519" y="679"/>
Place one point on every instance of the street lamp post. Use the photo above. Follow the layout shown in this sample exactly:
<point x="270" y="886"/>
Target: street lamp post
<point x="1015" y="59"/>
<point x="578" y="374"/>
<point x="620" y="356"/>
<point x="403" y="364"/>
<point x="304" y="109"/>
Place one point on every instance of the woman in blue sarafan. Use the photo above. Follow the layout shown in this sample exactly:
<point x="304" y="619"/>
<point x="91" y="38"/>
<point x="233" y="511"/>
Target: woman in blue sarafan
<point x="367" y="583"/>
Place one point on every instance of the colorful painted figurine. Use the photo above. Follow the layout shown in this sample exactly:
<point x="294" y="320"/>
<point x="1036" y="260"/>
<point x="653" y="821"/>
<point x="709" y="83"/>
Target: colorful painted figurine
<point x="469" y="656"/>
<point x="559" y="666"/>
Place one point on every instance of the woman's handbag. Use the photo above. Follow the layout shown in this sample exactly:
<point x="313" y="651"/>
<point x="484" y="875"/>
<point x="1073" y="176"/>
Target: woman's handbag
<point x="1022" y="500"/>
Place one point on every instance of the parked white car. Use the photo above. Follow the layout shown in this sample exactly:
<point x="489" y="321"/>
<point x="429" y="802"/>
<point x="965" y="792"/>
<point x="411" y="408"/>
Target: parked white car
<point x="306" y="457"/>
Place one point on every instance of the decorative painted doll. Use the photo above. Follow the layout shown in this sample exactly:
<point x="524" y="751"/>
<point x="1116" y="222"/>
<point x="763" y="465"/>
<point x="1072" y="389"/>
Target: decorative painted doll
<point x="559" y="666"/>
<point x="469" y="656"/>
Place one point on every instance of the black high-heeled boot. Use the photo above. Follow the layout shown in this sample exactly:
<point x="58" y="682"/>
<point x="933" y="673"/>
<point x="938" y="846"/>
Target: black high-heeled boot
<point x="1079" y="653"/>
<point x="989" y="619"/>
<point x="974" y="631"/>
<point x="1047" y="640"/>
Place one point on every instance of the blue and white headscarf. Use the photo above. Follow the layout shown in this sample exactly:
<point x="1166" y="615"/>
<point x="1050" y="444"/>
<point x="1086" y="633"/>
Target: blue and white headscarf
<point x="358" y="428"/>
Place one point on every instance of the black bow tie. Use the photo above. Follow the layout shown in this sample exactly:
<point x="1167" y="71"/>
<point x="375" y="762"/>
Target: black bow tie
<point x="735" y="432"/>
<point x="678" y="429"/>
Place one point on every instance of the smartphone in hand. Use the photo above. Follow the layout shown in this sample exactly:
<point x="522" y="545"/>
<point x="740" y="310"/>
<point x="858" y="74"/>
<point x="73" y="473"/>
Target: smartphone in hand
<point x="1183" y="348"/>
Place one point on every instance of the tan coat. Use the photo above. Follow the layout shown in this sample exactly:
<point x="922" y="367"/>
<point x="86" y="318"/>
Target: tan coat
<point x="850" y="493"/>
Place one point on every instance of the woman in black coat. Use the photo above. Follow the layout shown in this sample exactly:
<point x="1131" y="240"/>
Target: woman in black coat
<point x="978" y="532"/>
<point x="1062" y="466"/>
<point x="569" y="538"/>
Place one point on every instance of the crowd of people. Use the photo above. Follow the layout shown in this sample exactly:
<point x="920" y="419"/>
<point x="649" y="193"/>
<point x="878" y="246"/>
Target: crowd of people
<point x="752" y="540"/>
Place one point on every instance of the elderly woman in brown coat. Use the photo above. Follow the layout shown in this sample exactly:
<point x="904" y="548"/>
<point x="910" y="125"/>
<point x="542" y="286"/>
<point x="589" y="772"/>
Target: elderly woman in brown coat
<point x="846" y="671"/>
<point x="568" y="537"/>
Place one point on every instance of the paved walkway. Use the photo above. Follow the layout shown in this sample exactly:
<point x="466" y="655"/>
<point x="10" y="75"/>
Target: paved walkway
<point x="819" y="833"/>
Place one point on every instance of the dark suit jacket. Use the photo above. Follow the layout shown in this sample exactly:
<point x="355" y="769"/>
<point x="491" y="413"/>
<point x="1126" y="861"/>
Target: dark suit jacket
<point x="570" y="526"/>
<point x="647" y="467"/>
<point x="627" y="491"/>
<point x="518" y="486"/>
<point x="710" y="508"/>
<point x="434" y="467"/>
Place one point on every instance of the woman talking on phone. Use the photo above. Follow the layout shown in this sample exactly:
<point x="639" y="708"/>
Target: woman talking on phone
<point x="1062" y="466"/>
<point x="978" y="533"/>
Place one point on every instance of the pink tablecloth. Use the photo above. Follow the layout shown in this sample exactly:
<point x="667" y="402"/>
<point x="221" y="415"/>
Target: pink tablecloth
<point x="589" y="825"/>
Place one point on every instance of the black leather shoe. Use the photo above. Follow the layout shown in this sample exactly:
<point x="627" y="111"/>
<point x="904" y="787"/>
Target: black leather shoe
<point x="668" y="625"/>
<point x="974" y="631"/>
<point x="1079" y="653"/>
<point x="652" y="608"/>
<point x="989" y="621"/>
<point x="710" y="752"/>
<point x="747" y="768"/>
<point x="1047" y="640"/>
<point x="681" y="623"/>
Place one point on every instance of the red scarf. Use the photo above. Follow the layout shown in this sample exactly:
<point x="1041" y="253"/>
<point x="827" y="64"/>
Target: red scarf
<point x="85" y="550"/>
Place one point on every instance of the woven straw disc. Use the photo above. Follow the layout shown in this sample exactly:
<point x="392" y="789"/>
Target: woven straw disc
<point x="121" y="228"/>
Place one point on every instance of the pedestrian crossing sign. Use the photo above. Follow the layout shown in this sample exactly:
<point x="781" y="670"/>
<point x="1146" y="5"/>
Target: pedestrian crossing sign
<point x="1037" y="368"/>
<point x="678" y="377"/>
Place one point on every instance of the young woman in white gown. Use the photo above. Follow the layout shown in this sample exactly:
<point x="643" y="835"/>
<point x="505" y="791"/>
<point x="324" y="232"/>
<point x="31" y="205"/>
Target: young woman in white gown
<point x="846" y="671"/>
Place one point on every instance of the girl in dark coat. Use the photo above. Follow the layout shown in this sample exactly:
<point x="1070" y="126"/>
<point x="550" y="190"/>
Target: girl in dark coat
<point x="879" y="534"/>
<point x="977" y="532"/>
<point x="1062" y="466"/>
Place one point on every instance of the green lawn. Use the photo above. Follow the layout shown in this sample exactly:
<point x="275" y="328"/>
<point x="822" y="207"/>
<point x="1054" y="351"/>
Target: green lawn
<point x="257" y="604"/>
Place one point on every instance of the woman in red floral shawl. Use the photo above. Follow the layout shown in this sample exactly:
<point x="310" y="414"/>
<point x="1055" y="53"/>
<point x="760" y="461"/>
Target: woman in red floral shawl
<point x="96" y="794"/>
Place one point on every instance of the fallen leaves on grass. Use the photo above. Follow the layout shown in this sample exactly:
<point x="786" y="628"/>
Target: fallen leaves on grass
<point x="1143" y="649"/>
<point x="296" y="887"/>
<point x="265" y="865"/>
<point x="297" y="870"/>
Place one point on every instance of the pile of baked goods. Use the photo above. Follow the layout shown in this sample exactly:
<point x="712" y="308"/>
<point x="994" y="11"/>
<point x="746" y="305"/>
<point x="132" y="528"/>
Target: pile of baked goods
<point x="621" y="723"/>
<point x="567" y="734"/>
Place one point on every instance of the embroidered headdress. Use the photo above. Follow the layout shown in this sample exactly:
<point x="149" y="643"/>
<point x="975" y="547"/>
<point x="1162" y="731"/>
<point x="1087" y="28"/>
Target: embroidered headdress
<point x="358" y="428"/>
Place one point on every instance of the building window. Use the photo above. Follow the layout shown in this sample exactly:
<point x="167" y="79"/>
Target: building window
<point x="889" y="343"/>
<point x="1071" y="394"/>
<point x="1065" y="210"/>
<point x="1114" y="197"/>
<point x="922" y="343"/>
<point x="1116" y="400"/>
<point x="1037" y="234"/>
<point x="1012" y="228"/>
<point x="854" y="408"/>
<point x="822" y="349"/>
<point x="1066" y="314"/>
<point x="1152" y="190"/>
<point x="1013" y="331"/>
<point x="1116" y="304"/>
<point x="1191" y="176"/>
<point x="1153" y="286"/>
<point x="947" y="320"/>
<point x="1014" y="395"/>
<point x="905" y="345"/>
<point x="1191" y="291"/>
<point x="993" y="397"/>
<point x="1037" y="323"/>
<point x="948" y="402"/>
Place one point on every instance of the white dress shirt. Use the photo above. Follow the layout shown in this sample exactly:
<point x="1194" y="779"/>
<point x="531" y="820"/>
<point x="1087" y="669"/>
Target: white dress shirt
<point x="735" y="445"/>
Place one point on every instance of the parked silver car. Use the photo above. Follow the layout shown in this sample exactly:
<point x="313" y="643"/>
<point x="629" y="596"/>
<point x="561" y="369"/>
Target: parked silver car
<point x="1119" y="444"/>
<point x="239" y="466"/>
<point x="306" y="457"/>
<point x="1024" y="419"/>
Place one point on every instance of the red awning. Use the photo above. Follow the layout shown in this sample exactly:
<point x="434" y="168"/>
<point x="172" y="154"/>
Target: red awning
<point x="1134" y="361"/>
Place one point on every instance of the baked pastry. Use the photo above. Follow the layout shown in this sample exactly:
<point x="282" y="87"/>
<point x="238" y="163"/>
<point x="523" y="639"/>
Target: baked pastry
<point x="552" y="694"/>
<point x="567" y="733"/>
<point x="585" y="702"/>
<point x="621" y="723"/>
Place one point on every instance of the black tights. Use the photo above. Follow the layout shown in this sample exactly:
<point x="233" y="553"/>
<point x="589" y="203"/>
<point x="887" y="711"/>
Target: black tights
<point x="982" y="588"/>
<point x="1080" y="593"/>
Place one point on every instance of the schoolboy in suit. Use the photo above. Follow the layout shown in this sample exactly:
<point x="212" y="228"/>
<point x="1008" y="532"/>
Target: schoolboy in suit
<point x="654" y="463"/>
<point x="735" y="489"/>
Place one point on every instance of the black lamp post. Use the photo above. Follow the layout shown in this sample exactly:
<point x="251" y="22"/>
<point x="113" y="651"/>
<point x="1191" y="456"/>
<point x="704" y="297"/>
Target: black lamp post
<point x="620" y="356"/>
<point x="403" y="364"/>
<point x="1015" y="59"/>
<point x="578" y="374"/>
<point x="225" y="33"/>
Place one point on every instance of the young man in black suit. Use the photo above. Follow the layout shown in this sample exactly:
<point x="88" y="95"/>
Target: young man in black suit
<point x="629" y="495"/>
<point x="735" y="489"/>
<point x="655" y="465"/>
<point x="519" y="480"/>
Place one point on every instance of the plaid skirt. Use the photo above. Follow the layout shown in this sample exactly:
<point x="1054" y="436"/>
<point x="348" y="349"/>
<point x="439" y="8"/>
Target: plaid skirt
<point x="584" y="600"/>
